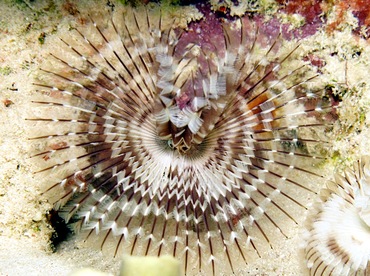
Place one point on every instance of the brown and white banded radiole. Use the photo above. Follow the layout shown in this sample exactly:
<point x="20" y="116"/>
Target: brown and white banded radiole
<point x="163" y="141"/>
<point x="338" y="236"/>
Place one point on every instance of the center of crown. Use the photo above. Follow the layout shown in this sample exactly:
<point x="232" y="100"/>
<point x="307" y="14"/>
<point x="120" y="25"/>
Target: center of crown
<point x="191" y="152"/>
<point x="181" y="146"/>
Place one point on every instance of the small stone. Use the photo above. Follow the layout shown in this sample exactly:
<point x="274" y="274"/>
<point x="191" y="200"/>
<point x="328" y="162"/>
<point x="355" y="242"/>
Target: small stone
<point x="27" y="234"/>
<point x="150" y="266"/>
<point x="7" y="102"/>
<point x="37" y="217"/>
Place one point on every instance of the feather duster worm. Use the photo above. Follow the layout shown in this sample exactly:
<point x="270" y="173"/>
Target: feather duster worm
<point x="339" y="230"/>
<point x="194" y="144"/>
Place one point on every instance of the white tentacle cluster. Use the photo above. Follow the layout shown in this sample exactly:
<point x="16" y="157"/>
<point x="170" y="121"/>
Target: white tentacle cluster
<point x="339" y="230"/>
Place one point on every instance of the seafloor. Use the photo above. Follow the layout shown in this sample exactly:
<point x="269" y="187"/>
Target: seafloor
<point x="335" y="35"/>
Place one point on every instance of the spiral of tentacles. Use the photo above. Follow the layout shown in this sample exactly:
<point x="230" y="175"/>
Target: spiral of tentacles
<point x="163" y="145"/>
<point x="338" y="241"/>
